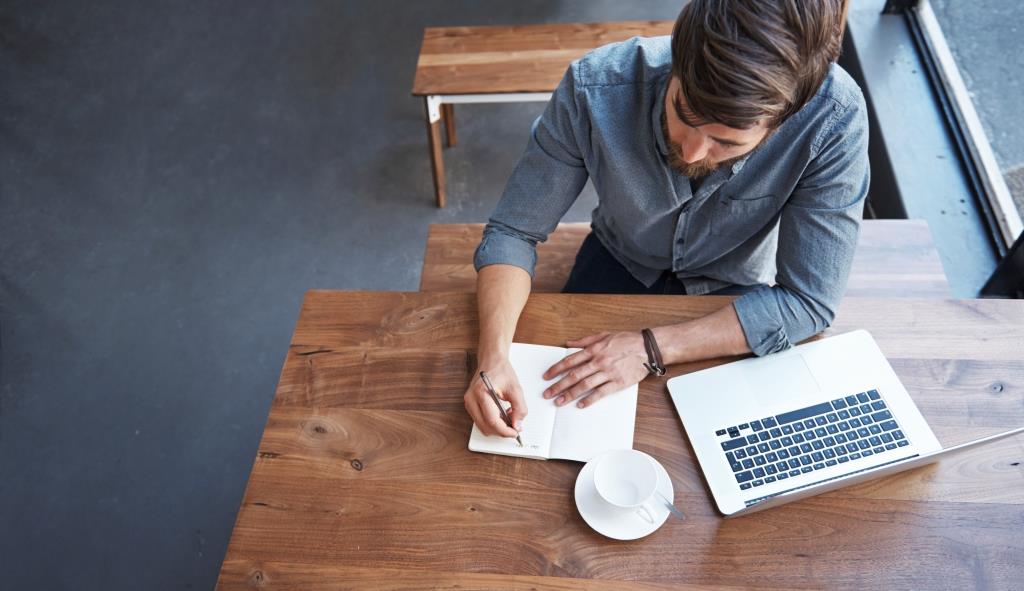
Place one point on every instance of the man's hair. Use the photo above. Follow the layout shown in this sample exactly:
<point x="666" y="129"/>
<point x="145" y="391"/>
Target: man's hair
<point x="741" y="61"/>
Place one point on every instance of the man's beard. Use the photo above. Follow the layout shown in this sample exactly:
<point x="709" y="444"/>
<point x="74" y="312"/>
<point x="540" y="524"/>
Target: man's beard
<point x="690" y="169"/>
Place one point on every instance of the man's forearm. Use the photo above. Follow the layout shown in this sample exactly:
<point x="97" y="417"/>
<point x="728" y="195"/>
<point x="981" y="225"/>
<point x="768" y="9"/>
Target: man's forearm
<point x="502" y="291"/>
<point x="716" y="335"/>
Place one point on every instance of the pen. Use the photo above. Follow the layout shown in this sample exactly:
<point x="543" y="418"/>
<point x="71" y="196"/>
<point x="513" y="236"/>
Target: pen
<point x="501" y="409"/>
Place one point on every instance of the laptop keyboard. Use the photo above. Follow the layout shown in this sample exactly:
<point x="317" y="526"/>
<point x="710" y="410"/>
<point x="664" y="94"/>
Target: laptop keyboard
<point x="813" y="438"/>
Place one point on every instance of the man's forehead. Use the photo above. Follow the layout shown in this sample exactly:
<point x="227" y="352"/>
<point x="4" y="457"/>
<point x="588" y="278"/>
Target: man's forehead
<point x="682" y="110"/>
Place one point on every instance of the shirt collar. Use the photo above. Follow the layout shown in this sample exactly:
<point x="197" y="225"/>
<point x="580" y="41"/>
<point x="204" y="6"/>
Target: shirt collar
<point x="659" y="107"/>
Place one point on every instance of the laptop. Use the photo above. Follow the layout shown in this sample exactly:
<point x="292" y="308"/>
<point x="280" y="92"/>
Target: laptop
<point x="804" y="421"/>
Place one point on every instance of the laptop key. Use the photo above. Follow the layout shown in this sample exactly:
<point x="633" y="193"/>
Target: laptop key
<point x="805" y="469"/>
<point x="866" y="409"/>
<point x="798" y="438"/>
<point x="882" y="415"/>
<point x="806" y="448"/>
<point x="771" y="457"/>
<point x="829" y="453"/>
<point x="876" y="440"/>
<point x="798" y="426"/>
<point x="820" y="421"/>
<point x="776" y="432"/>
<point x="866" y="420"/>
<point x="878" y="449"/>
<point x="803" y="413"/>
<point x="783" y="476"/>
<point x="745" y="486"/>
<point x="782" y="466"/>
<point x="830" y="441"/>
<point x="873" y="394"/>
<point x="771" y="469"/>
<point x="751" y="450"/>
<point x="862" y="397"/>
<point x="820" y="432"/>
<point x="841" y="450"/>
<point x="851" y="447"/>
<point x="787" y="429"/>
<point x="783" y="454"/>
<point x="734" y="432"/>
<point x="843" y="459"/>
<point x="756" y="425"/>
<point x="817" y="457"/>
<point x="733" y="444"/>
<point x="832" y="417"/>
<point x="809" y="435"/>
<point x="769" y="422"/>
<point x="855" y="456"/>
<point x="764" y="436"/>
<point x="769" y="479"/>
<point x="863" y="444"/>
<point x="757" y="482"/>
<point x="805" y="460"/>
<point x="830" y="463"/>
<point x="740" y="454"/>
<point x="863" y="432"/>
<point x="902" y="443"/>
<point x="890" y="446"/>
<point x="843" y="415"/>
<point x="794" y="463"/>
<point x="744" y="426"/>
<point x="889" y="426"/>
<point x="854" y="411"/>
<point x="760" y="461"/>
<point x="897" y="434"/>
<point x="886" y="437"/>
<point x="758" y="472"/>
<point x="751" y="438"/>
<point x="854" y="423"/>
<point x="736" y="467"/>
<point x="748" y="463"/>
<point x="787" y="441"/>
<point x="852" y="436"/>
<point x="875" y="429"/>
<point x="794" y="450"/>
<point x="794" y="473"/>
<point x="878" y="405"/>
<point x="763" y="447"/>
<point x="851" y="400"/>
<point x="809" y="423"/>
<point x="774" y="444"/>
<point x="819" y="466"/>
<point x="839" y="403"/>
<point x="867" y="452"/>
<point x="840" y="438"/>
<point x="818" y="444"/>
<point x="730" y="456"/>
<point x="742" y="477"/>
<point x="832" y="430"/>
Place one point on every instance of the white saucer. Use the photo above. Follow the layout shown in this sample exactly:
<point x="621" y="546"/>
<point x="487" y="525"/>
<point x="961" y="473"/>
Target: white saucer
<point x="614" y="523"/>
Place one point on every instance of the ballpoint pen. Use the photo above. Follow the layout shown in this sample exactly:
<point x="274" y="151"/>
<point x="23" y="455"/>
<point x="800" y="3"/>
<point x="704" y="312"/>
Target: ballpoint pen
<point x="501" y="409"/>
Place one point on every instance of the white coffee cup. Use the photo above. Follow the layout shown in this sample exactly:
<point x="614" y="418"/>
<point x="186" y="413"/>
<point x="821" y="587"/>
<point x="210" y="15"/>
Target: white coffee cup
<point x="627" y="480"/>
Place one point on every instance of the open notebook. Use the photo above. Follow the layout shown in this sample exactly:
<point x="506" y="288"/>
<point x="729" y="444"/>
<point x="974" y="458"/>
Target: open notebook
<point x="566" y="432"/>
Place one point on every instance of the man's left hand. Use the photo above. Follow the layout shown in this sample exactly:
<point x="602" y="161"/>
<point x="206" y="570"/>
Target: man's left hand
<point x="608" y="363"/>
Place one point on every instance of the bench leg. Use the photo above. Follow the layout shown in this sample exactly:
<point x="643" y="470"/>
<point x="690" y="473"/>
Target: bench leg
<point x="448" y="111"/>
<point x="436" y="161"/>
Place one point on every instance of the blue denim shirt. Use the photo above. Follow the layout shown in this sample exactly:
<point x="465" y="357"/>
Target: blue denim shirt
<point x="786" y="215"/>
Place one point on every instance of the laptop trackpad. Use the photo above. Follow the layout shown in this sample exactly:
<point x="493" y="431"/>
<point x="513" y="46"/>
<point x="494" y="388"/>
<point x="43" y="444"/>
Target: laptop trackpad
<point x="774" y="379"/>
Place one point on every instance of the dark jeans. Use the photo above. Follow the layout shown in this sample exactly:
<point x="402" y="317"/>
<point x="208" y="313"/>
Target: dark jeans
<point x="597" y="271"/>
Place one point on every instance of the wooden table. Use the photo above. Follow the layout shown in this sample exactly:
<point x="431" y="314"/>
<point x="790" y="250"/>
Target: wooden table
<point x="363" y="480"/>
<point x="503" y="64"/>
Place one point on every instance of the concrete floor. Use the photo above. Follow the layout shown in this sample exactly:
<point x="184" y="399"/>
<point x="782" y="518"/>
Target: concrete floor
<point x="172" y="180"/>
<point x="985" y="39"/>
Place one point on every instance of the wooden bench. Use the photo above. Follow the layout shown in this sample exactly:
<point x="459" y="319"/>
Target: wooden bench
<point x="502" y="64"/>
<point x="894" y="258"/>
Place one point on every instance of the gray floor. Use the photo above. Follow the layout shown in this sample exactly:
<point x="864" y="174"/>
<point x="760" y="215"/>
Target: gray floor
<point x="985" y="39"/>
<point x="172" y="179"/>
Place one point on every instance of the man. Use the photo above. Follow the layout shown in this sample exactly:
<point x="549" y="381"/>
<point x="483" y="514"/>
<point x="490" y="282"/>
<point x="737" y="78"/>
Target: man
<point x="731" y="156"/>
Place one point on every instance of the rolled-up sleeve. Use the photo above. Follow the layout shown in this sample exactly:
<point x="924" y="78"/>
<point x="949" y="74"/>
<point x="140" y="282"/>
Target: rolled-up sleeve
<point x="818" y="232"/>
<point x="545" y="183"/>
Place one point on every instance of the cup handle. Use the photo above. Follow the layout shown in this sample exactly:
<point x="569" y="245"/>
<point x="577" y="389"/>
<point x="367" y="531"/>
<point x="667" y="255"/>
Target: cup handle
<point x="645" y="514"/>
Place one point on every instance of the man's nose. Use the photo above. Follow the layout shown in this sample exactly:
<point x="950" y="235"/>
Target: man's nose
<point x="694" y="147"/>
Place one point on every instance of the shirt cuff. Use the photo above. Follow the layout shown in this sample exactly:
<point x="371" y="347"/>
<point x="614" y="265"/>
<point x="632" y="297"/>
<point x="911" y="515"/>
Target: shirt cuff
<point x="498" y="248"/>
<point x="762" y="324"/>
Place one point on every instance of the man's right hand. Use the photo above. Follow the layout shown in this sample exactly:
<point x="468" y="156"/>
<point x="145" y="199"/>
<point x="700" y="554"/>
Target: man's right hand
<point x="482" y="409"/>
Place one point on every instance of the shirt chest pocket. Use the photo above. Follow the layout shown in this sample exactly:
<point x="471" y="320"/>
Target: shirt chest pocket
<point x="735" y="220"/>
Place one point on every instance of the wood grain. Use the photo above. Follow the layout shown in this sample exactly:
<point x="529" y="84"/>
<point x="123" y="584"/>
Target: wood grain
<point x="523" y="58"/>
<point x="362" y="479"/>
<point x="894" y="258"/>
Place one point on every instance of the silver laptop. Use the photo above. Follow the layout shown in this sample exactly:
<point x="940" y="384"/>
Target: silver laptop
<point x="798" y="423"/>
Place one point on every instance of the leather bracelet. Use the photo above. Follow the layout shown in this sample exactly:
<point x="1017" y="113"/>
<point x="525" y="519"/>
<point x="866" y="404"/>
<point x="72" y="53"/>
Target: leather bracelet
<point x="654" y="363"/>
